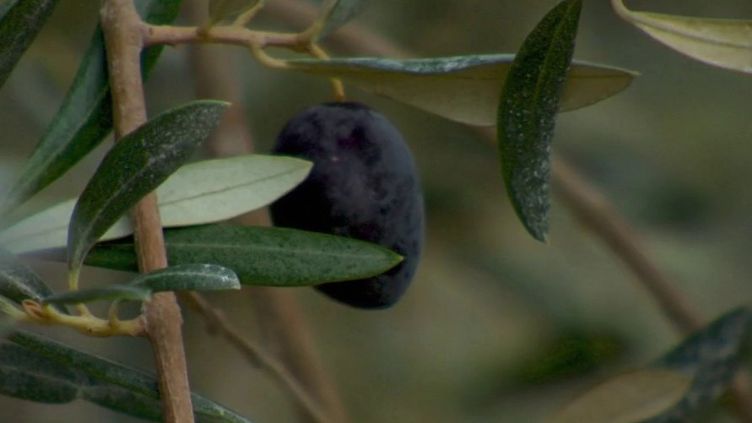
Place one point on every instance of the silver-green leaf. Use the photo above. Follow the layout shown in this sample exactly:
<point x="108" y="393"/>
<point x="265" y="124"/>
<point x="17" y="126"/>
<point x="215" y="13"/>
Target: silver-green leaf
<point x="189" y="277"/>
<point x="20" y="22"/>
<point x="628" y="398"/>
<point x="261" y="255"/>
<point x="462" y="88"/>
<point x="726" y="43"/>
<point x="135" y="166"/>
<point x="203" y="192"/>
<point x="710" y="357"/>
<point x="41" y="370"/>
<point x="85" y="116"/>
<point x="18" y="282"/>
<point x="527" y="112"/>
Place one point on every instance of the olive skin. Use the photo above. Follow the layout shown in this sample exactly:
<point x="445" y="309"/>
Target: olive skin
<point x="363" y="185"/>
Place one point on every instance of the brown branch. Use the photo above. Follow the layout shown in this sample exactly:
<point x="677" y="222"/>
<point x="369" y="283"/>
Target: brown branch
<point x="123" y="31"/>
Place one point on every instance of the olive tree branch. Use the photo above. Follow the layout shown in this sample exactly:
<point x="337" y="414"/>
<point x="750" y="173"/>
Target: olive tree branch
<point x="124" y="35"/>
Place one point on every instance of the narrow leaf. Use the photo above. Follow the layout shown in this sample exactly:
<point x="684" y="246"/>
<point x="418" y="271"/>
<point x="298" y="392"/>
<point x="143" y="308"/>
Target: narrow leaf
<point x="710" y="357"/>
<point x="220" y="10"/>
<point x="134" y="167"/>
<point x="527" y="112"/>
<point x="198" y="193"/>
<point x="42" y="370"/>
<point x="20" y="22"/>
<point x="463" y="88"/>
<point x="337" y="13"/>
<point x="628" y="398"/>
<point x="105" y="293"/>
<point x="726" y="43"/>
<point x="85" y="116"/>
<point x="18" y="282"/>
<point x="189" y="277"/>
<point x="260" y="255"/>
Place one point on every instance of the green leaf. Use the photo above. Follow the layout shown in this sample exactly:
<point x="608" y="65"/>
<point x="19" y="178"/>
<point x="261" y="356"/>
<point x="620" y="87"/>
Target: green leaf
<point x="463" y="88"/>
<point x="527" y="113"/>
<point x="725" y="43"/>
<point x="105" y="293"/>
<point x="18" y="282"/>
<point x="136" y="166"/>
<point x="220" y="10"/>
<point x="85" y="116"/>
<point x="189" y="277"/>
<point x="261" y="255"/>
<point x="628" y="398"/>
<point x="198" y="193"/>
<point x="337" y="13"/>
<point x="20" y="22"/>
<point x="710" y="357"/>
<point x="38" y="369"/>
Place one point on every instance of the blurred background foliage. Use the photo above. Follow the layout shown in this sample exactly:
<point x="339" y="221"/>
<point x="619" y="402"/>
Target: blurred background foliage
<point x="496" y="327"/>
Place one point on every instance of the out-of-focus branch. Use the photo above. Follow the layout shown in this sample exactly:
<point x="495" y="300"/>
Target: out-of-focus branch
<point x="280" y="317"/>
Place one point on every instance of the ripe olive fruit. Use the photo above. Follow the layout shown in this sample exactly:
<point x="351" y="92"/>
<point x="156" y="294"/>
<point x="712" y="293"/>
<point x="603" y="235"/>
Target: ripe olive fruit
<point x="363" y="185"/>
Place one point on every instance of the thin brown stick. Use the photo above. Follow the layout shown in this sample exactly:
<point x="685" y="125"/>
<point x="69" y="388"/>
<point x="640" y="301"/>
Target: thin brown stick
<point x="122" y="28"/>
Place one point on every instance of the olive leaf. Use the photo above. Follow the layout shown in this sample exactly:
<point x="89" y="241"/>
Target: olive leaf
<point x="220" y="10"/>
<point x="527" y="112"/>
<point x="135" y="166"/>
<point x="252" y="252"/>
<point x="628" y="398"/>
<point x="462" y="88"/>
<point x="38" y="369"/>
<point x="710" y="357"/>
<point x="85" y="116"/>
<point x="198" y="193"/>
<point x="337" y="13"/>
<point x="726" y="43"/>
<point x="18" y="282"/>
<point x="187" y="277"/>
<point x="20" y="22"/>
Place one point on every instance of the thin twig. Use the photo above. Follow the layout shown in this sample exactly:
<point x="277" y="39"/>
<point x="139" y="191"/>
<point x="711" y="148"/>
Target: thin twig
<point x="123" y="30"/>
<point x="218" y="323"/>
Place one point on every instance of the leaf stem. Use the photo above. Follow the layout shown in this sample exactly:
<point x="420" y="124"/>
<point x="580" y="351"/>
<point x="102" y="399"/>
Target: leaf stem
<point x="337" y="86"/>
